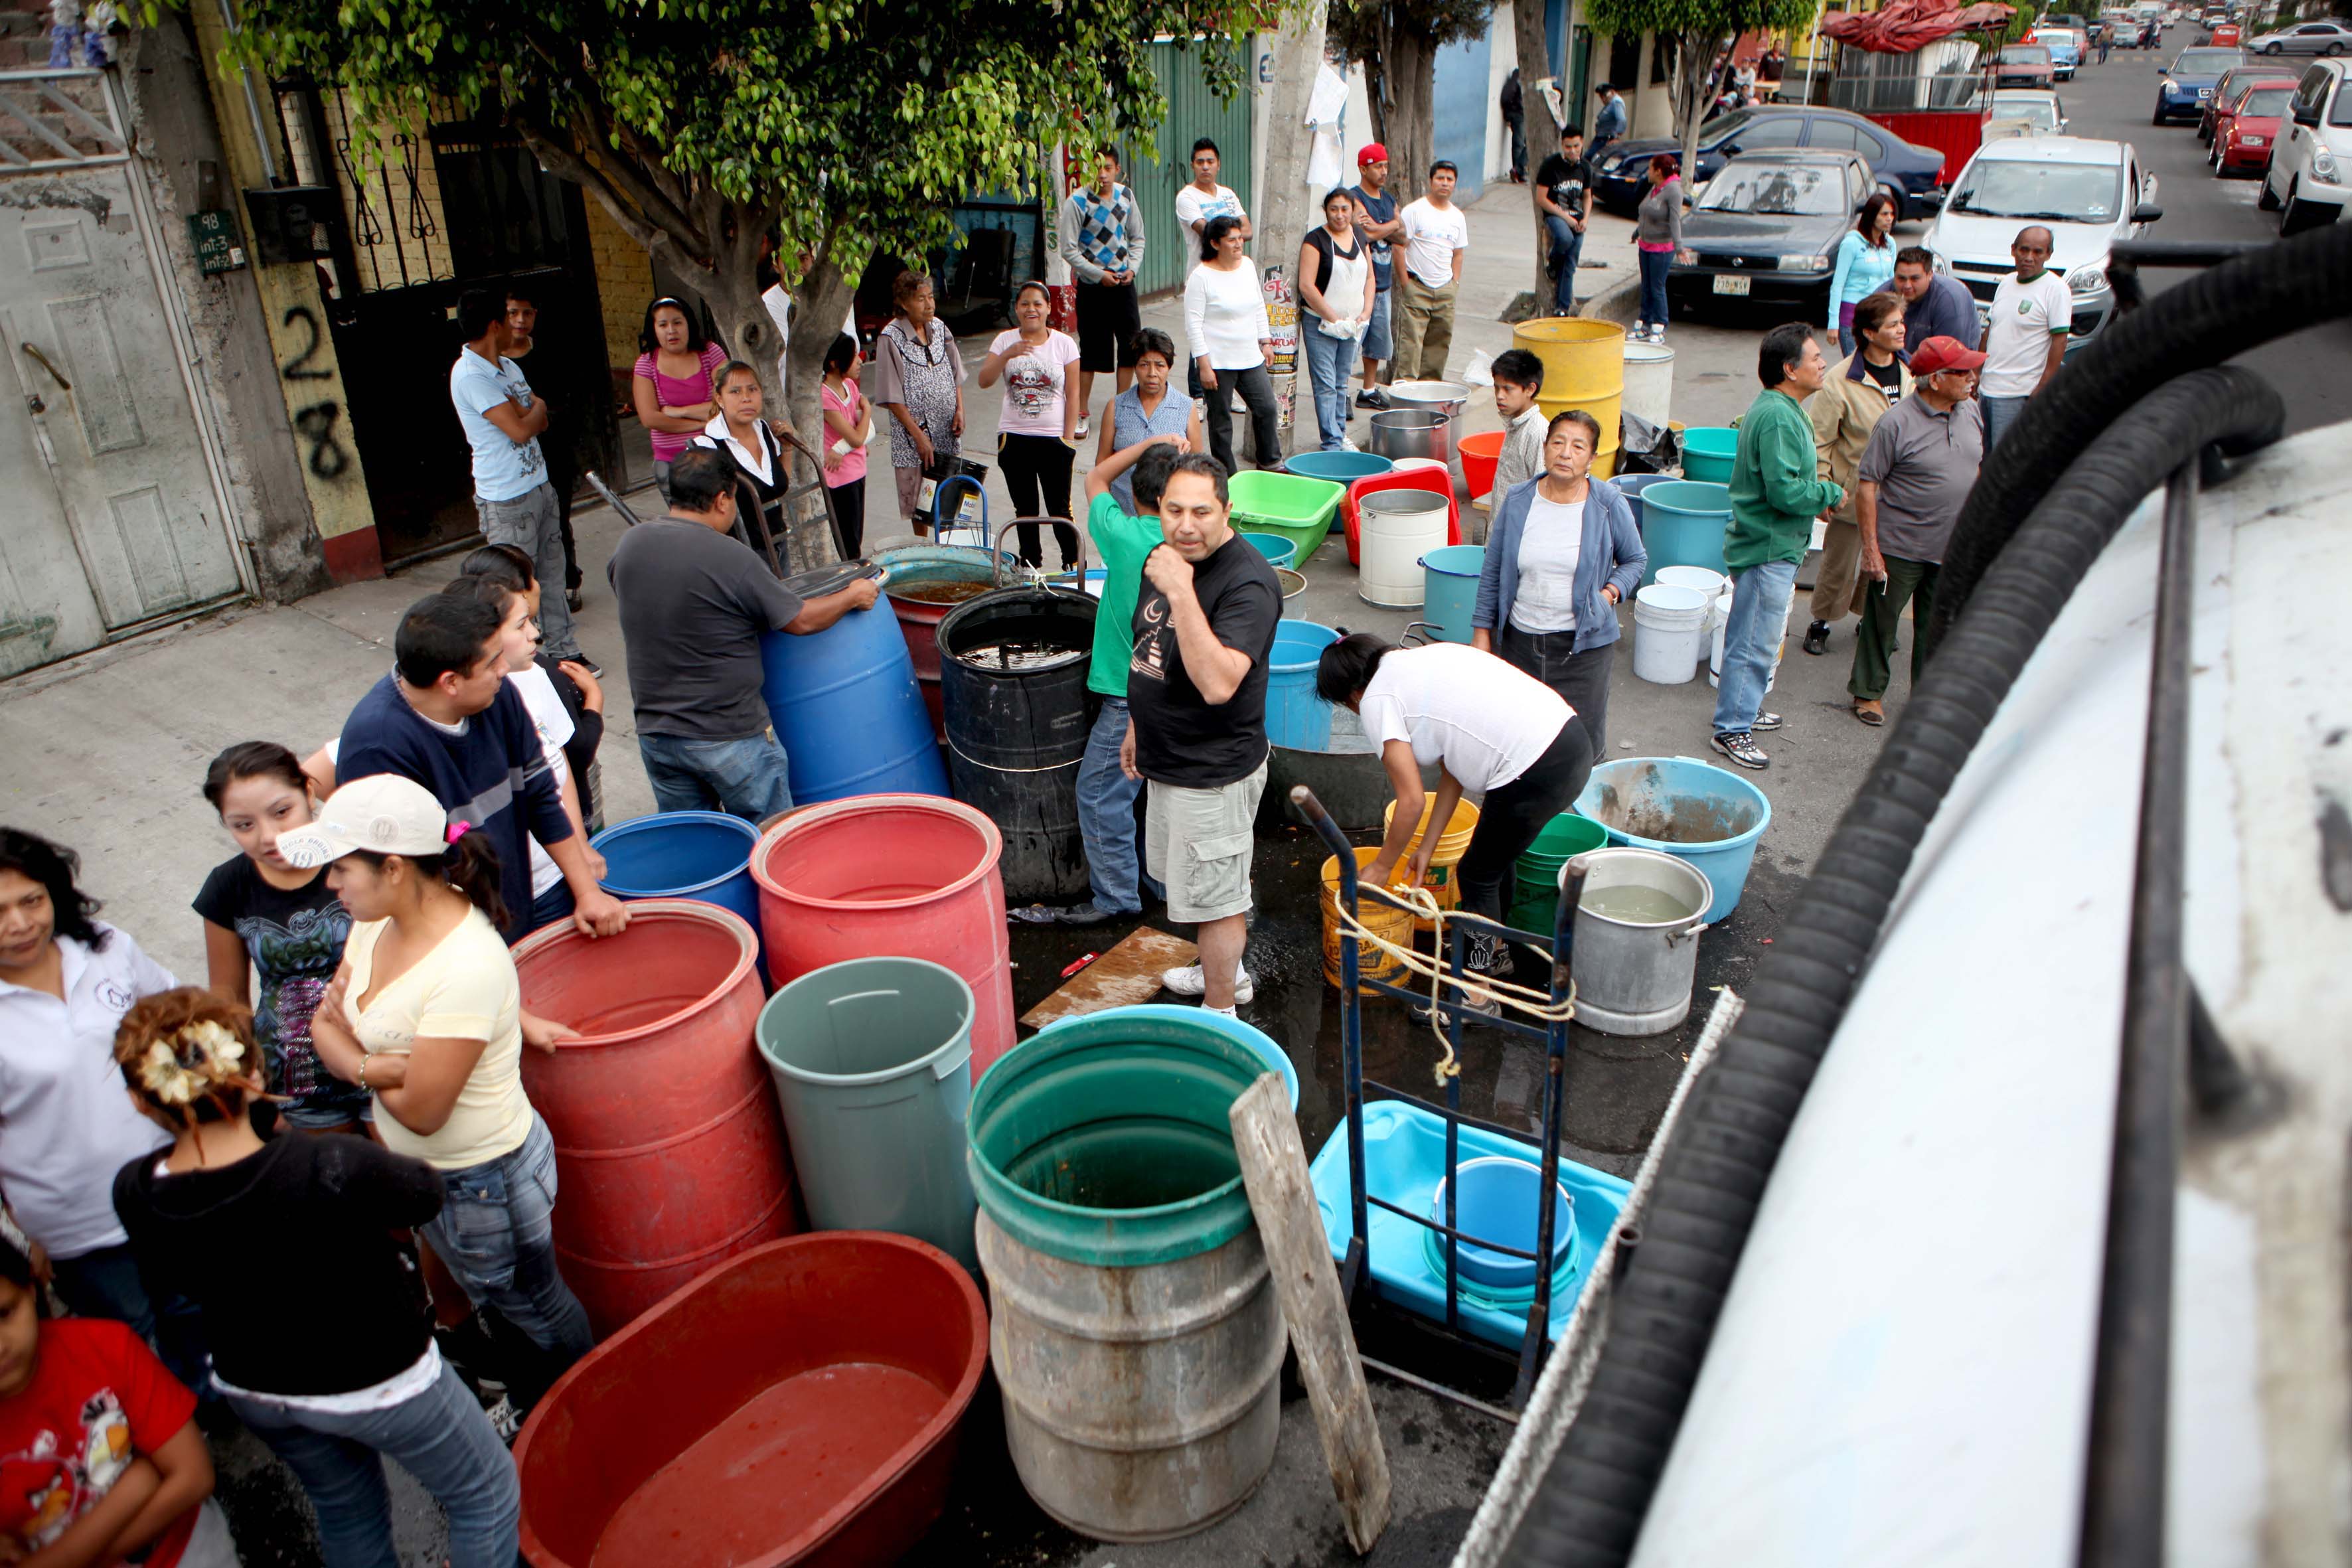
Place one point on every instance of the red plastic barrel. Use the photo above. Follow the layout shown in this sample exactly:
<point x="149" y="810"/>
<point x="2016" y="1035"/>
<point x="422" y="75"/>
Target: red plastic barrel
<point x="669" y="1147"/>
<point x="892" y="876"/>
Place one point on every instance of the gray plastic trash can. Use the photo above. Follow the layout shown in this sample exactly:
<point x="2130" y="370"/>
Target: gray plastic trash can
<point x="872" y="1060"/>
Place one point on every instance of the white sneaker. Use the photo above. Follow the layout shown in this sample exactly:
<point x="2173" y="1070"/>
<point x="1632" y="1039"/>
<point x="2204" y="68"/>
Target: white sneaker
<point x="1190" y="981"/>
<point x="1348" y="446"/>
<point x="1082" y="427"/>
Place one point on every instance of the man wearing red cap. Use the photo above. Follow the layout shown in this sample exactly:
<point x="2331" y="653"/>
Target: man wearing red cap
<point x="1376" y="224"/>
<point x="1914" y="478"/>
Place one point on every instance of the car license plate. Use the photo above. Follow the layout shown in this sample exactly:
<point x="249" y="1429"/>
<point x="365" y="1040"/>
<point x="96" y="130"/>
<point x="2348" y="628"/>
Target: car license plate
<point x="1726" y="284"/>
<point x="2204" y="92"/>
<point x="2251" y="141"/>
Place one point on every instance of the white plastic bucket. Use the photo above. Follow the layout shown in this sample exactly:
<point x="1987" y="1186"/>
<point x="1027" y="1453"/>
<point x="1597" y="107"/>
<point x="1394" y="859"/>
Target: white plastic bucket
<point x="1398" y="528"/>
<point x="1712" y="583"/>
<point x="1669" y="631"/>
<point x="1650" y="382"/>
<point x="1715" y="660"/>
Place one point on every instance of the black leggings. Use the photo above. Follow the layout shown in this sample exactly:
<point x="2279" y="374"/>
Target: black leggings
<point x="1515" y="812"/>
<point x="849" y="517"/>
<point x="1037" y="473"/>
<point x="1217" y="418"/>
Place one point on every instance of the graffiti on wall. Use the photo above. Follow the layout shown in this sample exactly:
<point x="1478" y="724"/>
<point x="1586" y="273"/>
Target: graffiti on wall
<point x="316" y="421"/>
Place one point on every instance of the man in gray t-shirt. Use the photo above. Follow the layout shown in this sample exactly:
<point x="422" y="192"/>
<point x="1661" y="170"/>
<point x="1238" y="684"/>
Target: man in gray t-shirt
<point x="694" y="604"/>
<point x="1914" y="476"/>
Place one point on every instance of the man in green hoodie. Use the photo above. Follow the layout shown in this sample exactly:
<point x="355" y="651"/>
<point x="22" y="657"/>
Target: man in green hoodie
<point x="1776" y="493"/>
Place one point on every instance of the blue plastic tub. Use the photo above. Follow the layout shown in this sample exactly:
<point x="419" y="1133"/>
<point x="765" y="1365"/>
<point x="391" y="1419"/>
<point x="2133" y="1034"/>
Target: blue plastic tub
<point x="1631" y="487"/>
<point x="701" y="854"/>
<point x="1404" y="1158"/>
<point x="1157" y="1014"/>
<point x="1495" y="1200"/>
<point x="1278" y="549"/>
<point x="1340" y="467"/>
<point x="1695" y="799"/>
<point x="1450" y="575"/>
<point x="1707" y="452"/>
<point x="1683" y="525"/>
<point x="1295" y="716"/>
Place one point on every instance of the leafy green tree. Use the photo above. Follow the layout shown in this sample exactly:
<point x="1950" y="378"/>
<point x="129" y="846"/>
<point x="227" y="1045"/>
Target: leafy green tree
<point x="710" y="128"/>
<point x="1398" y="40"/>
<point x="1696" y="31"/>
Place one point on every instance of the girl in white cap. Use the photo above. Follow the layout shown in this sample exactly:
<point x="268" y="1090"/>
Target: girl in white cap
<point x="427" y="1014"/>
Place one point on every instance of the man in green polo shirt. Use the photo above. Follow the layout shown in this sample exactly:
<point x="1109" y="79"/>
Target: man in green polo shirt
<point x="1106" y="794"/>
<point x="1776" y="493"/>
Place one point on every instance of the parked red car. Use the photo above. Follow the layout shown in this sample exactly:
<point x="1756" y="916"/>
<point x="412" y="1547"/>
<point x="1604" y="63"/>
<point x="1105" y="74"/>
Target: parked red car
<point x="2226" y="91"/>
<point x="2227" y="33"/>
<point x="2244" y="131"/>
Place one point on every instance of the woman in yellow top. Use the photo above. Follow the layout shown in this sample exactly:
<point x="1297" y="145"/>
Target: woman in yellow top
<point x="427" y="1014"/>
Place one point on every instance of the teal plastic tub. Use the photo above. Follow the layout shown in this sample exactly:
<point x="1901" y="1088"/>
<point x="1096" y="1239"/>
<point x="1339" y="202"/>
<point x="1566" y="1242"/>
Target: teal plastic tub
<point x="1686" y="808"/>
<point x="1707" y="452"/>
<point x="1340" y="467"/>
<point x="1104" y="1140"/>
<point x="1299" y="510"/>
<point x="1683" y="524"/>
<point x="1450" y="591"/>
<point x="1279" y="549"/>
<point x="872" y="1061"/>
<point x="1295" y="716"/>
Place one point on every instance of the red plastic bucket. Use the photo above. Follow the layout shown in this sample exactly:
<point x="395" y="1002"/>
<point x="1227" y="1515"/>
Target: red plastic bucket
<point x="670" y="1154"/>
<point x="892" y="876"/>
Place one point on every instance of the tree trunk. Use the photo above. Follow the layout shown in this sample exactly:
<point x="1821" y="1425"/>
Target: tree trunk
<point x="1411" y="82"/>
<point x="1542" y="132"/>
<point x="1285" y="203"/>
<point x="1694" y="58"/>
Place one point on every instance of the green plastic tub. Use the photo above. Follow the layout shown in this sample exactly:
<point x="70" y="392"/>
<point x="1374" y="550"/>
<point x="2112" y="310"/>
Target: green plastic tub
<point x="1297" y="509"/>
<point x="1535" y="892"/>
<point x="872" y="1060"/>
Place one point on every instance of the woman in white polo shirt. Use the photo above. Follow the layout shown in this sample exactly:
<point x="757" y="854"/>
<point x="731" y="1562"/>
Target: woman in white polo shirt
<point x="427" y="1014"/>
<point x="1492" y="730"/>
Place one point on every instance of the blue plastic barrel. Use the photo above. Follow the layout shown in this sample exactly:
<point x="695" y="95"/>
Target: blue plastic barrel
<point x="847" y="711"/>
<point x="1707" y="453"/>
<point x="1683" y="524"/>
<point x="1295" y="716"/>
<point x="1279" y="550"/>
<point x="1339" y="467"/>
<point x="702" y="855"/>
<point x="1717" y="815"/>
<point x="1450" y="575"/>
<point x="1631" y="487"/>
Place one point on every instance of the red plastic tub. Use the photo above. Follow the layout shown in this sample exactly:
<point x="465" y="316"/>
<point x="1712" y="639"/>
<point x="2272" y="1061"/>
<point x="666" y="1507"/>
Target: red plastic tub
<point x="798" y="1404"/>
<point x="669" y="1147"/>
<point x="1438" y="480"/>
<point x="892" y="876"/>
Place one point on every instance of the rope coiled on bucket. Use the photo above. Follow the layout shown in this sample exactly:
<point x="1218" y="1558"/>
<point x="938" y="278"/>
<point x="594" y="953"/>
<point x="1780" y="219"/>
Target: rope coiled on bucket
<point x="1422" y="905"/>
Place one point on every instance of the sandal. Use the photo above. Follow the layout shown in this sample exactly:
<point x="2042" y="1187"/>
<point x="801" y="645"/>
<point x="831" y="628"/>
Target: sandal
<point x="1873" y="716"/>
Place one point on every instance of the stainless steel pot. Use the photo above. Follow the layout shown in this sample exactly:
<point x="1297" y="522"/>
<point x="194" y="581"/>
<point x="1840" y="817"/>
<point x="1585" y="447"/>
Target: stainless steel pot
<point x="1635" y="977"/>
<point x="1445" y="397"/>
<point x="1413" y="432"/>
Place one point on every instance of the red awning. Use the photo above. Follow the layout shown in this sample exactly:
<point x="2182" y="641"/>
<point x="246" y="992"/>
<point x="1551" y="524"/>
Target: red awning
<point x="1904" y="27"/>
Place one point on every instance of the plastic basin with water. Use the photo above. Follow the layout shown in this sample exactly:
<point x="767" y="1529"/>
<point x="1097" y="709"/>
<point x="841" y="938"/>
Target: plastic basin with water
<point x="1682" y="806"/>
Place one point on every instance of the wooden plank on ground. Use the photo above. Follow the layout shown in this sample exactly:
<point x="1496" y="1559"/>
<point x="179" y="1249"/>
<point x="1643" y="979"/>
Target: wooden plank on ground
<point x="1282" y="1195"/>
<point x="1129" y="973"/>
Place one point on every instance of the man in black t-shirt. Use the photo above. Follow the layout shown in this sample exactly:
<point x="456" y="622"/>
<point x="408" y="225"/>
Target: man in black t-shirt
<point x="1204" y="625"/>
<point x="1564" y="193"/>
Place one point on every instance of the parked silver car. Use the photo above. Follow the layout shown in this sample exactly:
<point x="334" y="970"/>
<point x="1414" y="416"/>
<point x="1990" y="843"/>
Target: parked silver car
<point x="2307" y="39"/>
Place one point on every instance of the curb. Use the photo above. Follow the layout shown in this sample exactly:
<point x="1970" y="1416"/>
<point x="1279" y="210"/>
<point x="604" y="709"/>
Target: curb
<point x="1620" y="303"/>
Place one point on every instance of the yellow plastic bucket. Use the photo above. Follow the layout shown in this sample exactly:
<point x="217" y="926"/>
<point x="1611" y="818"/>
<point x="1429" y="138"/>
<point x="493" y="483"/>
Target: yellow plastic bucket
<point x="1391" y="925"/>
<point x="1584" y="367"/>
<point x="1451" y="845"/>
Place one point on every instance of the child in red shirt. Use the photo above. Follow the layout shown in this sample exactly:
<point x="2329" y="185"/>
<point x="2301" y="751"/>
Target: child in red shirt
<point x="99" y="1455"/>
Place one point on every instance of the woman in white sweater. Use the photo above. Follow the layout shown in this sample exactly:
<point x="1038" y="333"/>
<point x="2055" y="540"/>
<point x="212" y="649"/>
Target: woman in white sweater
<point x="1225" y="317"/>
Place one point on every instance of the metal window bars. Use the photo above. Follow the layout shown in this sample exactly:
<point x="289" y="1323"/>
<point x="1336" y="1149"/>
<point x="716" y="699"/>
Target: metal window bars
<point x="1451" y="1005"/>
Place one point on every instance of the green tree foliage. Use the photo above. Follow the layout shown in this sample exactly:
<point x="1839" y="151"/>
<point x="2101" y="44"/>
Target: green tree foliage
<point x="709" y="128"/>
<point x="1696" y="30"/>
<point x="1397" y="41"/>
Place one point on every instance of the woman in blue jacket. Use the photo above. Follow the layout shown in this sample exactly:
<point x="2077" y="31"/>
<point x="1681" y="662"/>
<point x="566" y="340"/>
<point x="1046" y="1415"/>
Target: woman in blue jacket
<point x="1562" y="555"/>
<point x="1865" y="263"/>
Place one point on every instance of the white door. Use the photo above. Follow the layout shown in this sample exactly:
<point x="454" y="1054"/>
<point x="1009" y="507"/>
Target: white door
<point x="104" y="410"/>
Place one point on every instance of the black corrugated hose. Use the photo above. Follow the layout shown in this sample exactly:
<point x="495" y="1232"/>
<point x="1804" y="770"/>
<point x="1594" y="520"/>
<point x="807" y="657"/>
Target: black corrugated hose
<point x="1589" y="1508"/>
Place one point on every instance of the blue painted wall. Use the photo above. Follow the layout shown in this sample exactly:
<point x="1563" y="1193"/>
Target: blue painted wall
<point x="1459" y="106"/>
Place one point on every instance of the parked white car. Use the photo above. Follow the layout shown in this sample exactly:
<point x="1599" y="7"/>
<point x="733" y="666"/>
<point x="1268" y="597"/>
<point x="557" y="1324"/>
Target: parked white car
<point x="2087" y="194"/>
<point x="2310" y="175"/>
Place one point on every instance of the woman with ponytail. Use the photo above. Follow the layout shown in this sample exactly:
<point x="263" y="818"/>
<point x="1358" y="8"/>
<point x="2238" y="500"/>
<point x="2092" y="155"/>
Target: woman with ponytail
<point x="369" y="1381"/>
<point x="425" y="1014"/>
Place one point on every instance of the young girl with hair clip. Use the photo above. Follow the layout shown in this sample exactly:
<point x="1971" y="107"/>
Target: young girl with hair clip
<point x="426" y="1013"/>
<point x="369" y="1380"/>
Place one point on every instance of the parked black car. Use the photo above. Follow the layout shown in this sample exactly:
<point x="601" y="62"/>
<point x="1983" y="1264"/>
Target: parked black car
<point x="1767" y="227"/>
<point x="1908" y="172"/>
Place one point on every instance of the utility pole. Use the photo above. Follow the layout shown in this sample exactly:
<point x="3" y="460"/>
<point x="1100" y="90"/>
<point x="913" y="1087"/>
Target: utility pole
<point x="1282" y="216"/>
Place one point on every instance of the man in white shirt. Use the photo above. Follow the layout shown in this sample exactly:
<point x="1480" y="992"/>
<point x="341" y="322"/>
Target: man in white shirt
<point x="2026" y="330"/>
<point x="1196" y="204"/>
<point x="1436" y="235"/>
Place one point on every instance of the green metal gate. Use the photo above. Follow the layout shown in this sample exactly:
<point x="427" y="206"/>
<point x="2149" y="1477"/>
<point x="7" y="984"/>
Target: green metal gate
<point x="1156" y="169"/>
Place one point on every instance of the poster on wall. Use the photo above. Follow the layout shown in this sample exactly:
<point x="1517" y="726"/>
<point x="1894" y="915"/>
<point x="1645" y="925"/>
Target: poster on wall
<point x="1282" y="315"/>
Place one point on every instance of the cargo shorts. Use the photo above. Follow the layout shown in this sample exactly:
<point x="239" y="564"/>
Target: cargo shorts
<point x="1197" y="844"/>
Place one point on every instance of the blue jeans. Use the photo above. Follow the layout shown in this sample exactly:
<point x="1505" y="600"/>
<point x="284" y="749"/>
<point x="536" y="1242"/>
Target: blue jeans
<point x="108" y="1283"/>
<point x="2000" y="413"/>
<point x="1655" y="265"/>
<point x="1330" y="361"/>
<point x="745" y="778"/>
<point x="441" y="1437"/>
<point x="1106" y="813"/>
<point x="1567" y="248"/>
<point x="1759" y="612"/>
<point x="497" y="1233"/>
<point x="1378" y="345"/>
<point x="555" y="904"/>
